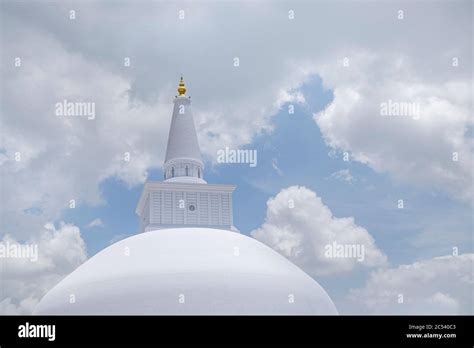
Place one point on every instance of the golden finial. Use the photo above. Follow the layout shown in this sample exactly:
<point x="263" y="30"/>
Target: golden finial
<point x="181" y="88"/>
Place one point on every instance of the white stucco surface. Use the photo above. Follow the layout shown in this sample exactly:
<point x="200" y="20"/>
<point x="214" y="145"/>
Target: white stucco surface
<point x="182" y="140"/>
<point x="187" y="271"/>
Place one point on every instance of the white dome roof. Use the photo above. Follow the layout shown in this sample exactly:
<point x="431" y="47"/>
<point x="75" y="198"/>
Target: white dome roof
<point x="187" y="271"/>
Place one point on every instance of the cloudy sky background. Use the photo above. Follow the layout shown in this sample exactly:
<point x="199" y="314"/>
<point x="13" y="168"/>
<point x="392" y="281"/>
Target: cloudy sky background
<point x="283" y="62"/>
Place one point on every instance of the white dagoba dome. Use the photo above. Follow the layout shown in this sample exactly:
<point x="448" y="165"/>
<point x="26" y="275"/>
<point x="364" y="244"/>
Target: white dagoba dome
<point x="187" y="271"/>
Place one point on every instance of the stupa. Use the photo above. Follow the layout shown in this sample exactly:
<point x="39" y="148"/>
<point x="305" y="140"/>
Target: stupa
<point x="189" y="258"/>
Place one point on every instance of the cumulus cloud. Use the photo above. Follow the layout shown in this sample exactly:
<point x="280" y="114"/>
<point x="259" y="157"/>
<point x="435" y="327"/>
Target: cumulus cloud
<point x="441" y="285"/>
<point x="25" y="280"/>
<point x="65" y="158"/>
<point x="426" y="147"/>
<point x="302" y="228"/>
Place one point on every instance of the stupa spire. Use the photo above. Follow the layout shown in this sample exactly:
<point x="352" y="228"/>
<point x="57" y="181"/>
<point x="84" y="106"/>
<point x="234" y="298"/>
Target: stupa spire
<point x="184" y="198"/>
<point x="183" y="162"/>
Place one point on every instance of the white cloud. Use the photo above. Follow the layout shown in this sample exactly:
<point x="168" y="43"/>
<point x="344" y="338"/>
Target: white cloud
<point x="343" y="175"/>
<point x="24" y="282"/>
<point x="65" y="158"/>
<point x="441" y="285"/>
<point x="301" y="233"/>
<point x="414" y="151"/>
<point x="96" y="223"/>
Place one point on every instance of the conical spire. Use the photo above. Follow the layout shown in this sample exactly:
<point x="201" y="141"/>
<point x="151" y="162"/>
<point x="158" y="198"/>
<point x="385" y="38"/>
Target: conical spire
<point x="183" y="157"/>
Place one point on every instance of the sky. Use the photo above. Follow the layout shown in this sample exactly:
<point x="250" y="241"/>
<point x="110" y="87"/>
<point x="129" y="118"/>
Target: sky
<point x="343" y="164"/>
